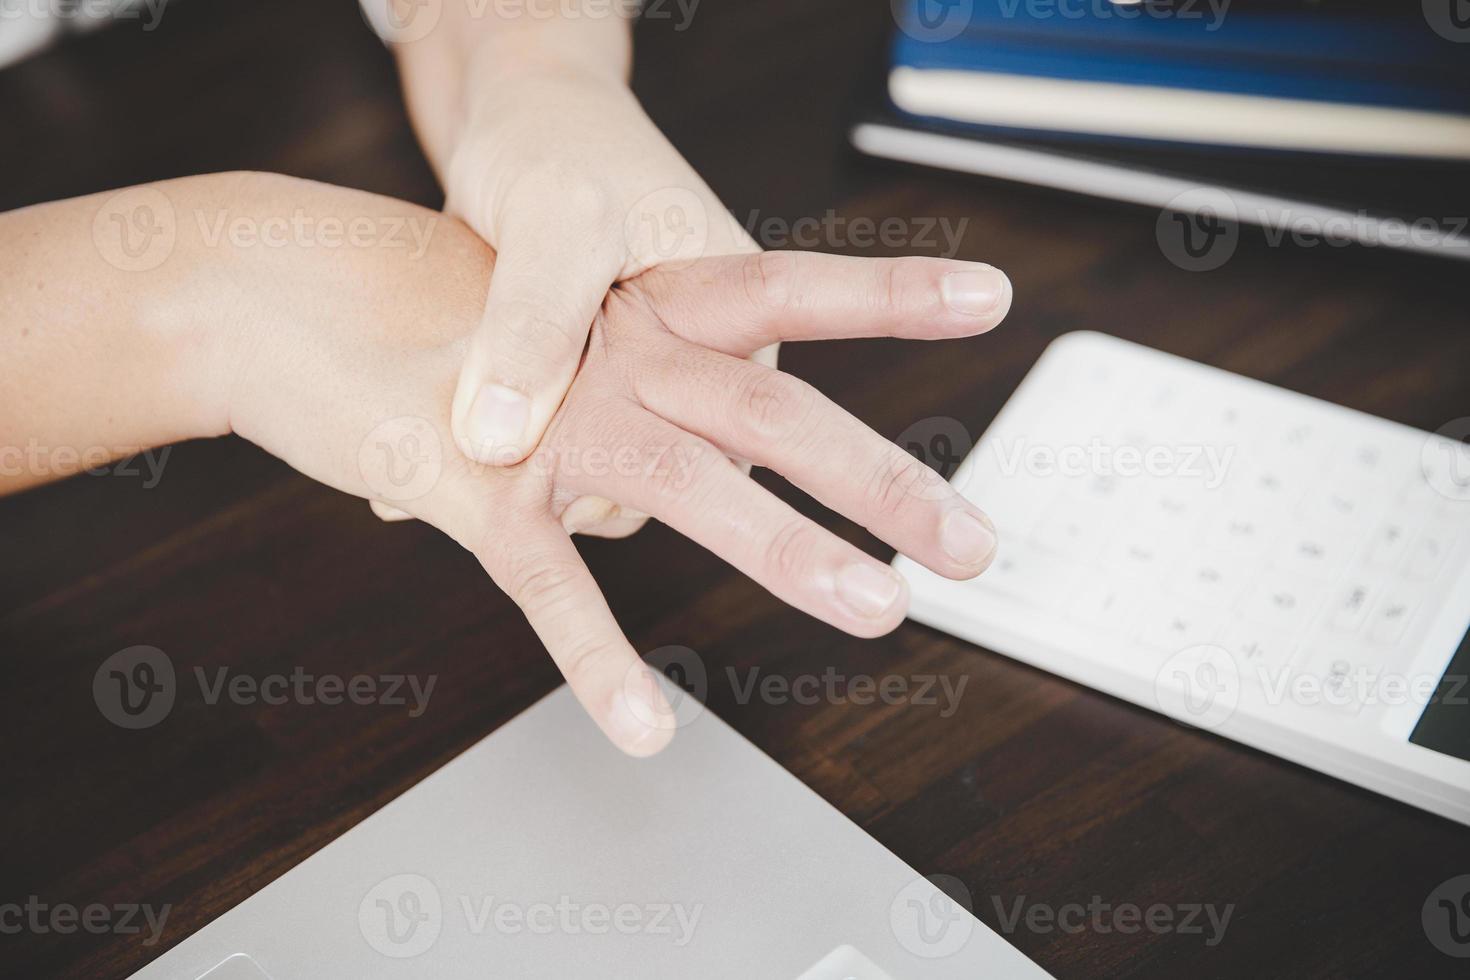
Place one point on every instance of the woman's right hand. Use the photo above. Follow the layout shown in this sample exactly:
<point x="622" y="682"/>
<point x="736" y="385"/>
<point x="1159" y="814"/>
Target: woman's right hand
<point x="664" y="398"/>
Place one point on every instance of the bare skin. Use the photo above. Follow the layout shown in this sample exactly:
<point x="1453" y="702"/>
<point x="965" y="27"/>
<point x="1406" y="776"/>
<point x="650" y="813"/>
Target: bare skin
<point x="525" y="112"/>
<point x="340" y="359"/>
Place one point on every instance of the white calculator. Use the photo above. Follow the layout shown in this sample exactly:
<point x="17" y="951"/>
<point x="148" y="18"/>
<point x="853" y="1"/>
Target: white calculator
<point x="1282" y="571"/>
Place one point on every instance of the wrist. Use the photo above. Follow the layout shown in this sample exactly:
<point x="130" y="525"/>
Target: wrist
<point x="501" y="80"/>
<point x="532" y="125"/>
<point x="468" y="59"/>
<point x="507" y="59"/>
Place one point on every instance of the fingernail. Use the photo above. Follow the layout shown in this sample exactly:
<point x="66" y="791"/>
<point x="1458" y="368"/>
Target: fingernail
<point x="497" y="419"/>
<point x="637" y="725"/>
<point x="966" y="538"/>
<point x="867" y="590"/>
<point x="974" y="292"/>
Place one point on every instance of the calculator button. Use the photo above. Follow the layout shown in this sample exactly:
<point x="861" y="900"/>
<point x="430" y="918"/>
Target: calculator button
<point x="1388" y="544"/>
<point x="1171" y="507"/>
<point x="1238" y="535"/>
<point x="1417" y="494"/>
<point x="1073" y="530"/>
<point x="1139" y="558"/>
<point x="1267" y="489"/>
<point x="1314" y="555"/>
<point x="1027" y="574"/>
<point x="1349" y="608"/>
<point x="1181" y="627"/>
<point x="1260" y="653"/>
<point x="1341" y="679"/>
<point x="1106" y="602"/>
<point x="1390" y="619"/>
<point x="1427" y="555"/>
<point x="1336" y="510"/>
<point x="1281" y="601"/>
<point x="1367" y="458"/>
<point x="1214" y="580"/>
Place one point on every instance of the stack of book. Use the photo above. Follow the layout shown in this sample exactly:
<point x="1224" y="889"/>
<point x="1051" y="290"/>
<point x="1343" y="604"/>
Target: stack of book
<point x="1349" y="116"/>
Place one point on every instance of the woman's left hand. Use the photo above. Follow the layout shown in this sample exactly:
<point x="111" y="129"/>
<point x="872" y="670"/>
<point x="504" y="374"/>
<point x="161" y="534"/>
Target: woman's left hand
<point x="546" y="154"/>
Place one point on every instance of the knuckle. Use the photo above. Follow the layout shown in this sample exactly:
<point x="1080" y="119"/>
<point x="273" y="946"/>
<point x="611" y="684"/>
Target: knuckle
<point x="770" y="279"/>
<point x="675" y="470"/>
<point x="772" y="405"/>
<point x="584" y="197"/>
<point x="541" y="585"/>
<point x="791" y="550"/>
<point x="563" y="195"/>
<point x="621" y="327"/>
<point x="589" y="202"/>
<point x="896" y="483"/>
<point x="585" y="659"/>
<point x="537" y="336"/>
<point x="891" y="290"/>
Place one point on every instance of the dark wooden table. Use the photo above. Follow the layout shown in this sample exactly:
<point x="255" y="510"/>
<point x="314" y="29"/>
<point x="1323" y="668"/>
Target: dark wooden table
<point x="1034" y="787"/>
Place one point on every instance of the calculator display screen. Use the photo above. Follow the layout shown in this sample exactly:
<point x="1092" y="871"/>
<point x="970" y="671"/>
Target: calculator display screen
<point x="1445" y="724"/>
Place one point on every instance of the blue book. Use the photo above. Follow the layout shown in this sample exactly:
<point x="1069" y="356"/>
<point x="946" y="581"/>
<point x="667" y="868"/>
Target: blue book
<point x="1371" y="79"/>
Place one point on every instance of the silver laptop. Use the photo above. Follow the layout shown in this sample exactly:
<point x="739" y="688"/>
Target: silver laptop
<point x="544" y="852"/>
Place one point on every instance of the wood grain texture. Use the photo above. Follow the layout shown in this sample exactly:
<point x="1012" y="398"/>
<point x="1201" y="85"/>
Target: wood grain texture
<point x="1033" y="787"/>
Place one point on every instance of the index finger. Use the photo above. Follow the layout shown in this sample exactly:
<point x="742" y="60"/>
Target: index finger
<point x="738" y="304"/>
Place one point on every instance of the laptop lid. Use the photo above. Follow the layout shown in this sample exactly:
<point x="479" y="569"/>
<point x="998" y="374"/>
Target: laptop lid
<point x="544" y="852"/>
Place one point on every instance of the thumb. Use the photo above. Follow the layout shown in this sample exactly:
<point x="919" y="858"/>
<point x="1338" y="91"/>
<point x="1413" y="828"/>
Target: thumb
<point x="522" y="358"/>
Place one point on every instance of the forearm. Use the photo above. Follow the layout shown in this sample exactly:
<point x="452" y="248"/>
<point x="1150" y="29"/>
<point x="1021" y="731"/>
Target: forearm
<point x="95" y="362"/>
<point x="480" y="47"/>
<point x="213" y="322"/>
